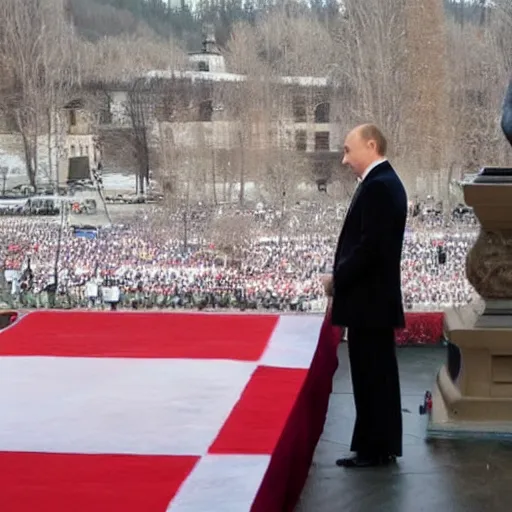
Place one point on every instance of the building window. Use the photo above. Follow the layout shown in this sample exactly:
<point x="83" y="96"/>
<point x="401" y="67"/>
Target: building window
<point x="72" y="117"/>
<point x="81" y="150"/>
<point x="105" y="117"/>
<point x="168" y="108"/>
<point x="206" y="111"/>
<point x="301" y="139"/>
<point x="299" y="109"/>
<point x="72" y="151"/>
<point x="322" y="141"/>
<point x="322" y="113"/>
<point x="106" y="111"/>
<point x="203" y="66"/>
<point x="11" y="122"/>
<point x="87" y="151"/>
<point x="476" y="97"/>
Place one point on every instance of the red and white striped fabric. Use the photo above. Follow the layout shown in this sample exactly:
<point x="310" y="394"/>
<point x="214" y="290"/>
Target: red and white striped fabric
<point x="145" y="412"/>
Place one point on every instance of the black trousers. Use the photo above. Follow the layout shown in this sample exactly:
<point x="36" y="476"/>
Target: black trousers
<point x="376" y="385"/>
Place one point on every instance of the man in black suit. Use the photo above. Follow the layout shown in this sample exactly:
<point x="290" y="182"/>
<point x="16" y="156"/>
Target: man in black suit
<point x="366" y="296"/>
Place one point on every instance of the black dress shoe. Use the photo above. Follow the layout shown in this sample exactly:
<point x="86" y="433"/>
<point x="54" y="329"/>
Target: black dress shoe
<point x="365" y="462"/>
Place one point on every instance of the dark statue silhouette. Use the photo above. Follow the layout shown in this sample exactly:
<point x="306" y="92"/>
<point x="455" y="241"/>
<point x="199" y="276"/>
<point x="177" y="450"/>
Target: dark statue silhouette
<point x="500" y="174"/>
<point x="506" y="120"/>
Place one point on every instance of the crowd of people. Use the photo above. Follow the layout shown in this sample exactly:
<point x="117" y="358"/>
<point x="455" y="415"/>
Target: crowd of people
<point x="157" y="260"/>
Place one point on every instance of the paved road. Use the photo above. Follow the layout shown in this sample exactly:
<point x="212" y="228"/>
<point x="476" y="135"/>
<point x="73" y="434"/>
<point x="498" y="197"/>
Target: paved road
<point x="118" y="213"/>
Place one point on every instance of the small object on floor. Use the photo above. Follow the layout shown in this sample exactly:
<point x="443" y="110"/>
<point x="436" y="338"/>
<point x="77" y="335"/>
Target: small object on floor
<point x="426" y="407"/>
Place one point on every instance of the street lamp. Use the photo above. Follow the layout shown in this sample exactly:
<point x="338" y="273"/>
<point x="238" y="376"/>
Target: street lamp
<point x="54" y="288"/>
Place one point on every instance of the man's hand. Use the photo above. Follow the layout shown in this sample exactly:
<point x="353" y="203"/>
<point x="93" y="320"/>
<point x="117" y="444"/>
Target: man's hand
<point x="327" y="281"/>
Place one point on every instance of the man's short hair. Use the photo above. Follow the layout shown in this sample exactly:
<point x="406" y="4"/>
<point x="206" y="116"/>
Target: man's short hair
<point x="371" y="132"/>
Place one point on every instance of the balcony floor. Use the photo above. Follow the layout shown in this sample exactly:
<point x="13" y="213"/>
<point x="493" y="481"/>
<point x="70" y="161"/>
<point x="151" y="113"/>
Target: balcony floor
<point x="438" y="475"/>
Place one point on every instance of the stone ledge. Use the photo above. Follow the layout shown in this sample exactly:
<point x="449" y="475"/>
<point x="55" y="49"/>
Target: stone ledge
<point x="494" y="175"/>
<point x="470" y="430"/>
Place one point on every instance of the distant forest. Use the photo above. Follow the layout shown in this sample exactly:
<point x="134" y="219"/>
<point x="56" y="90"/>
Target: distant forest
<point x="183" y="20"/>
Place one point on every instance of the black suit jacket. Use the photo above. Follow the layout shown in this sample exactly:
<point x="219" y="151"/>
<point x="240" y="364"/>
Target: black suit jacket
<point x="367" y="280"/>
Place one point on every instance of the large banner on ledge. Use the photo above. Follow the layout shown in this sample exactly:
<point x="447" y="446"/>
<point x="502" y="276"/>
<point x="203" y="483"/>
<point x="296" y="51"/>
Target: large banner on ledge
<point x="161" y="412"/>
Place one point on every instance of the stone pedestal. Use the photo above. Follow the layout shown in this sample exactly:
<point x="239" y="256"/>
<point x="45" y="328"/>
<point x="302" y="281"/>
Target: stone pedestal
<point x="478" y="401"/>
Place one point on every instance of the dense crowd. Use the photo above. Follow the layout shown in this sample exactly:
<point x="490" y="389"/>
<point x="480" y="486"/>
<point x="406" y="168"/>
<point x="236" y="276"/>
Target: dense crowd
<point x="180" y="261"/>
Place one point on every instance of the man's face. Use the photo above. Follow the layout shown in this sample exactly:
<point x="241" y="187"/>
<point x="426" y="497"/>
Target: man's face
<point x="357" y="153"/>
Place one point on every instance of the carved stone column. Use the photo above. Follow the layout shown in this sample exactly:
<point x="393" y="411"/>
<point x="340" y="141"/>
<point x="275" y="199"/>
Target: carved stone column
<point x="489" y="262"/>
<point x="479" y="399"/>
<point x="489" y="265"/>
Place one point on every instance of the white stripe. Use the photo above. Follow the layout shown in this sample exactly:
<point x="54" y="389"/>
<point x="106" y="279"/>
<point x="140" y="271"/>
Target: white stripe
<point x="94" y="405"/>
<point x="293" y="342"/>
<point x="224" y="483"/>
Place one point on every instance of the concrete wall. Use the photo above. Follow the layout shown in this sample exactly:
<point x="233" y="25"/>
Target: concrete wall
<point x="225" y="134"/>
<point x="12" y="157"/>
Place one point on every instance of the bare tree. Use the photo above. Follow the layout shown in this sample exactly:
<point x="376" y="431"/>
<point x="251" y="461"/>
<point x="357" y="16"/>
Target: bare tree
<point x="231" y="234"/>
<point x="185" y="184"/>
<point x="62" y="60"/>
<point x="128" y="63"/>
<point x="243" y="50"/>
<point x="479" y="65"/>
<point x="426" y="96"/>
<point x="36" y="50"/>
<point x="293" y="43"/>
<point x="278" y="45"/>
<point x="285" y="170"/>
<point x="124" y="58"/>
<point x="139" y="110"/>
<point x="180" y="137"/>
<point x="370" y="66"/>
<point x="245" y="112"/>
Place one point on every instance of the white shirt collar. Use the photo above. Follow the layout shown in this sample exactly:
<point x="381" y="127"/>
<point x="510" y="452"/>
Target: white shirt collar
<point x="370" y="168"/>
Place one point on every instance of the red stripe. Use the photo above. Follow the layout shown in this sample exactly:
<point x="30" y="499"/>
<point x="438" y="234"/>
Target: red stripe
<point x="258" y="419"/>
<point x="85" y="483"/>
<point x="142" y="335"/>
